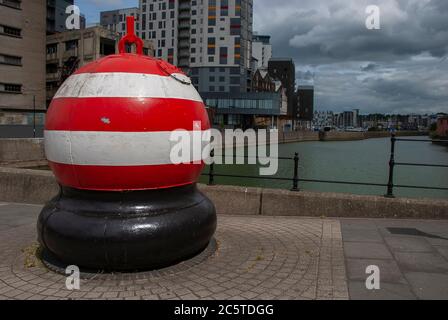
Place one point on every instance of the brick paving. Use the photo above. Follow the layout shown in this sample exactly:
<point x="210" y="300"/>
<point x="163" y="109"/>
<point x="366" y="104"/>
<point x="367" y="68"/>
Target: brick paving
<point x="253" y="257"/>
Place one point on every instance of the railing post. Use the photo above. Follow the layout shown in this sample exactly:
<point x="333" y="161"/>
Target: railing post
<point x="295" y="179"/>
<point x="211" y="179"/>
<point x="390" y="183"/>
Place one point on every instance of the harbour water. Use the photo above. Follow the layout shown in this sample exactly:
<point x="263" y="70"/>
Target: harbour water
<point x="356" y="161"/>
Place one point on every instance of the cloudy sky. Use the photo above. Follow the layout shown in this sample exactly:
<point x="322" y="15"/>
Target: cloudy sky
<point x="400" y="68"/>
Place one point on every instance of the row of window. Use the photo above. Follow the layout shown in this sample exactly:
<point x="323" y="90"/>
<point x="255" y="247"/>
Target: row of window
<point x="10" y="88"/>
<point x="16" y="4"/>
<point x="240" y="103"/>
<point x="11" y="60"/>
<point x="10" y="31"/>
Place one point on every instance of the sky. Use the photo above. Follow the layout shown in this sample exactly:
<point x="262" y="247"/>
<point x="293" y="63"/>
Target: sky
<point x="400" y="68"/>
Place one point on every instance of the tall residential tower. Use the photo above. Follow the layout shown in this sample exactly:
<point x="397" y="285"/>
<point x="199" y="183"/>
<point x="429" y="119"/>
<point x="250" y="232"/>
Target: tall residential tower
<point x="210" y="39"/>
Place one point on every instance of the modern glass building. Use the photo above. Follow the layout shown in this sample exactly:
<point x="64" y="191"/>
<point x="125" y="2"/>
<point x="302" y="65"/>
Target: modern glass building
<point x="240" y="110"/>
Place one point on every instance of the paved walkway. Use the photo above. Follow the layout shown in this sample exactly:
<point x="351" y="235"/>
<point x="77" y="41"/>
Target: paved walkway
<point x="253" y="257"/>
<point x="412" y="256"/>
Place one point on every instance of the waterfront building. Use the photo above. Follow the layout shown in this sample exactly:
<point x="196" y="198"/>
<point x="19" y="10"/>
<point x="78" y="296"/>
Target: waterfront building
<point x="261" y="50"/>
<point x="442" y="126"/>
<point x="22" y="59"/>
<point x="305" y="105"/>
<point x="283" y="69"/>
<point x="115" y="20"/>
<point x="211" y="40"/>
<point x="244" y="110"/>
<point x="323" y="119"/>
<point x="70" y="50"/>
<point x="262" y="82"/>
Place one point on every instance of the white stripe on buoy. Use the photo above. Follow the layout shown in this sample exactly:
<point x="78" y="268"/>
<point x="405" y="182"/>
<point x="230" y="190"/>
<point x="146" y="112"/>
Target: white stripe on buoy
<point x="126" y="85"/>
<point x="105" y="148"/>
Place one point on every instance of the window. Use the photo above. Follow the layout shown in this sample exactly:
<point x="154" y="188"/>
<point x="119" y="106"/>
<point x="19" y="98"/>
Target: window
<point x="211" y="45"/>
<point x="11" y="60"/>
<point x="70" y="45"/>
<point x="11" y="3"/>
<point x="235" y="26"/>
<point x="10" y="88"/>
<point x="223" y="55"/>
<point x="52" y="48"/>
<point x="10" y="31"/>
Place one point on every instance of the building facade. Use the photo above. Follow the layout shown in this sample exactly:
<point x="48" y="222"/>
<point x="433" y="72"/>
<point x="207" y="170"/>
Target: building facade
<point x="323" y="119"/>
<point x="305" y="99"/>
<point x="70" y="50"/>
<point x="262" y="82"/>
<point x="261" y="50"/>
<point x="115" y="20"/>
<point x="209" y="39"/>
<point x="283" y="69"/>
<point x="241" y="110"/>
<point x="22" y="57"/>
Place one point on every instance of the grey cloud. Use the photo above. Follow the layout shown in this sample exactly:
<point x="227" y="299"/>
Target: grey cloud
<point x="402" y="66"/>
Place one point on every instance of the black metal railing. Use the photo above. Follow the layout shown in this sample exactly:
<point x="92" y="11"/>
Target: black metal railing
<point x="393" y="163"/>
<point x="211" y="174"/>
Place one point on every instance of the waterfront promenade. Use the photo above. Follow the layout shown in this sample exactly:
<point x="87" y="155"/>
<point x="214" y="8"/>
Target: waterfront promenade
<point x="252" y="257"/>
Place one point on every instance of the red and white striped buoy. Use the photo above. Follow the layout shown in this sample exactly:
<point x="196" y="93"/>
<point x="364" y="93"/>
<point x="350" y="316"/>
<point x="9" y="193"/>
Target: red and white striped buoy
<point x="124" y="204"/>
<point x="109" y="124"/>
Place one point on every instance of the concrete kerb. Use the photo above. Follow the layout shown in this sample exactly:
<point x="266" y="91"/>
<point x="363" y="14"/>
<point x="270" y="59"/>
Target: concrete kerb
<point x="39" y="186"/>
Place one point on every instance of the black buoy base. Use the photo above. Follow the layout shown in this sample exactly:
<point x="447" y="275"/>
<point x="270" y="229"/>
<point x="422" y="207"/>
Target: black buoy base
<point x="126" y="231"/>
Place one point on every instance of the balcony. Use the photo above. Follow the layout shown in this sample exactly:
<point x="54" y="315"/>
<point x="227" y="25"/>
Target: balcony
<point x="184" y="15"/>
<point x="52" y="57"/>
<point x="71" y="53"/>
<point x="184" y="25"/>
<point x="183" y="34"/>
<point x="184" y="5"/>
<point x="184" y="53"/>
<point x="183" y="63"/>
<point x="53" y="76"/>
<point x="184" y="44"/>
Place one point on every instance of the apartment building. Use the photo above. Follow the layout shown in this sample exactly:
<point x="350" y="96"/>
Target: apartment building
<point x="261" y="50"/>
<point x="283" y="69"/>
<point x="22" y="58"/>
<point x="115" y="20"/>
<point x="209" y="39"/>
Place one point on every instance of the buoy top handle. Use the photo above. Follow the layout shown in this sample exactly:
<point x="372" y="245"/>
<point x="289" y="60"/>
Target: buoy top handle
<point x="130" y="37"/>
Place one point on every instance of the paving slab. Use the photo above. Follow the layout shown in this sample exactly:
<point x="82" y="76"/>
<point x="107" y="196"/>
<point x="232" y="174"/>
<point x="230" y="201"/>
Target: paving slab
<point x="429" y="286"/>
<point x="366" y="250"/>
<point x="389" y="270"/>
<point x="387" y="291"/>
<point x="421" y="262"/>
<point x="408" y="244"/>
<point x="416" y="266"/>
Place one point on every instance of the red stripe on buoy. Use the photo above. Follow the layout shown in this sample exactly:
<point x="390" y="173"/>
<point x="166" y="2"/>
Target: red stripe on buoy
<point x="119" y="178"/>
<point x="125" y="114"/>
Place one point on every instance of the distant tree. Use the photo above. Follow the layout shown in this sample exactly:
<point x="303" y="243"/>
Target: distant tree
<point x="433" y="127"/>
